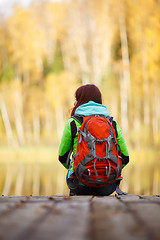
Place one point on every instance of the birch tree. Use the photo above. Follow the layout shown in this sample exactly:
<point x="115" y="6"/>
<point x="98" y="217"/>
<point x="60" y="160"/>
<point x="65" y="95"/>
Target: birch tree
<point x="125" y="80"/>
<point x="144" y="29"/>
<point x="119" y="18"/>
<point x="6" y="121"/>
<point x="87" y="39"/>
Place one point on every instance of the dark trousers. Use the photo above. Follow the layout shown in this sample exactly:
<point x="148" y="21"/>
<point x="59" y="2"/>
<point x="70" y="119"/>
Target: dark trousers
<point x="96" y="191"/>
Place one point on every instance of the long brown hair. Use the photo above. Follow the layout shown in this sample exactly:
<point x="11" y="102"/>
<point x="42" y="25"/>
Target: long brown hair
<point x="86" y="93"/>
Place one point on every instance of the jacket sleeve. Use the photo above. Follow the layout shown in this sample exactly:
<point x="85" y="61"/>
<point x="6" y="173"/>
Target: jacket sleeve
<point x="123" y="151"/>
<point x="65" y="147"/>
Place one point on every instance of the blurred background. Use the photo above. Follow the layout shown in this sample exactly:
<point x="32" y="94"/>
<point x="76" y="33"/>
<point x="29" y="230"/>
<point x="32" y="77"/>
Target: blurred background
<point x="47" y="50"/>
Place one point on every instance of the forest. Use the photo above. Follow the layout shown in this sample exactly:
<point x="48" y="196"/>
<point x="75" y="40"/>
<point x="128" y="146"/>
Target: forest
<point x="48" y="50"/>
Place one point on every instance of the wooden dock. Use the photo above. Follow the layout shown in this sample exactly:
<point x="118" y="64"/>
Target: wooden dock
<point x="126" y="217"/>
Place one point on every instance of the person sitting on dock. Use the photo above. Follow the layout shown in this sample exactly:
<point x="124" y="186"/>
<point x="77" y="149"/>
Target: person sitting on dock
<point x="97" y="143"/>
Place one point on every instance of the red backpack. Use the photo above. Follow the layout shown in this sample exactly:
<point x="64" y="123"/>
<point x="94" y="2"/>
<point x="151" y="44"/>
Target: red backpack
<point x="96" y="162"/>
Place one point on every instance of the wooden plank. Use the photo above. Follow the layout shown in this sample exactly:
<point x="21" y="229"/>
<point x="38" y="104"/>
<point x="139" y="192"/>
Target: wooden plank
<point x="139" y="198"/>
<point x="155" y="199"/>
<point x="149" y="216"/>
<point x="60" y="217"/>
<point x="12" y="198"/>
<point x="129" y="197"/>
<point x="41" y="218"/>
<point x="111" y="219"/>
<point x="71" y="223"/>
<point x="17" y="219"/>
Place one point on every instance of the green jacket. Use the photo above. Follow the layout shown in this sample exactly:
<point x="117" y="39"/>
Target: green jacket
<point x="91" y="108"/>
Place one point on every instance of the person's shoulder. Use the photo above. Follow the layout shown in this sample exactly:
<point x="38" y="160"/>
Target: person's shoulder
<point x="77" y="118"/>
<point x="113" y="120"/>
<point x="68" y="123"/>
<point x="70" y="120"/>
<point x="118" y="128"/>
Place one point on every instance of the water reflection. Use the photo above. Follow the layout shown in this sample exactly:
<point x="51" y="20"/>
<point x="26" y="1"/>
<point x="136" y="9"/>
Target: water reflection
<point x="32" y="172"/>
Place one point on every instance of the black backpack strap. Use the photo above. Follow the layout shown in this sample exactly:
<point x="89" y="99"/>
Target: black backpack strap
<point x="113" y="124"/>
<point x="110" y="118"/>
<point x="73" y="134"/>
<point x="78" y="118"/>
<point x="74" y="127"/>
<point x="115" y="128"/>
<point x="73" y="130"/>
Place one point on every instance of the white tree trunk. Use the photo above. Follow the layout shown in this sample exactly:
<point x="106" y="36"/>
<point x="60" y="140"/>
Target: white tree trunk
<point x="6" y="121"/>
<point x="81" y="53"/>
<point x="8" y="180"/>
<point x="124" y="106"/>
<point x="97" y="71"/>
<point x="36" y="126"/>
<point x="36" y="180"/>
<point x="19" y="125"/>
<point x="156" y="115"/>
<point x="125" y="81"/>
<point x="145" y="85"/>
<point x="19" y="180"/>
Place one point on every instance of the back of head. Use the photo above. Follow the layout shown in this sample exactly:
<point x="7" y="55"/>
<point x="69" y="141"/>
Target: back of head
<point x="86" y="93"/>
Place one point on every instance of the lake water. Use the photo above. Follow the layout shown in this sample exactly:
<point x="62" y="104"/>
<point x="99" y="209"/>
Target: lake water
<point x="36" y="171"/>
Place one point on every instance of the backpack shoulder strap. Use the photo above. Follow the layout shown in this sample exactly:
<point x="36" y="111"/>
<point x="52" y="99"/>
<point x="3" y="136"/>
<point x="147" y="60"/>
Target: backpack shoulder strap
<point x="113" y="124"/>
<point x="74" y="127"/>
<point x="115" y="127"/>
<point x="73" y="130"/>
<point x="110" y="118"/>
<point x="78" y="118"/>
